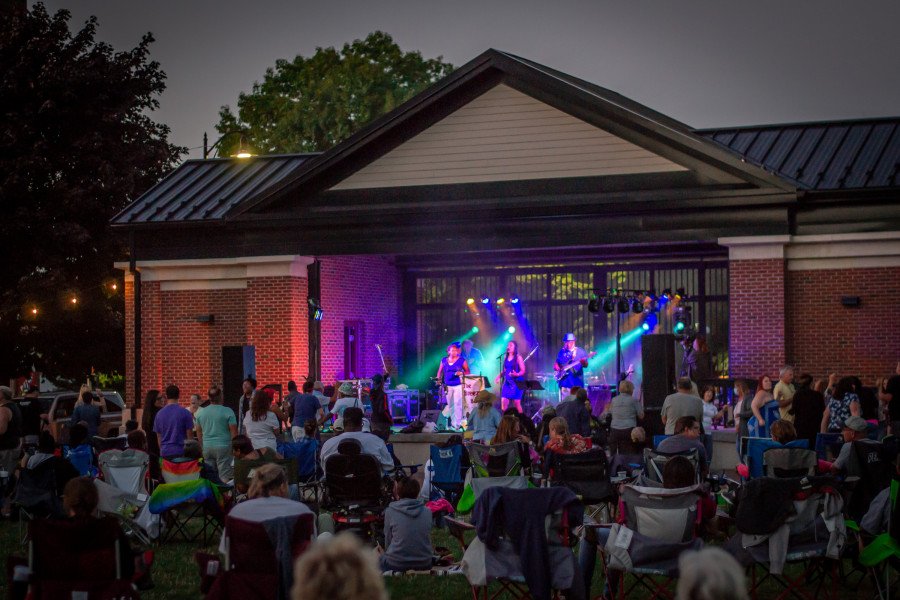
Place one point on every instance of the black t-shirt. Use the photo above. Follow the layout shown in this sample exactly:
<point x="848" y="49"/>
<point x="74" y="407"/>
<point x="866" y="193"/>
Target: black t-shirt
<point x="31" y="416"/>
<point x="10" y="438"/>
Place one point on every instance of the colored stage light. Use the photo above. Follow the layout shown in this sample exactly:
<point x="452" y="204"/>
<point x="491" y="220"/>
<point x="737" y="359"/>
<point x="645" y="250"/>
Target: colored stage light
<point x="470" y="301"/>
<point x="623" y="305"/>
<point x="594" y="304"/>
<point x="679" y="327"/>
<point x="501" y="300"/>
<point x="645" y="326"/>
<point x="485" y="300"/>
<point x="511" y="329"/>
<point x="637" y="307"/>
<point x="475" y="329"/>
<point x="649" y="323"/>
<point x="514" y="300"/>
<point x="608" y="305"/>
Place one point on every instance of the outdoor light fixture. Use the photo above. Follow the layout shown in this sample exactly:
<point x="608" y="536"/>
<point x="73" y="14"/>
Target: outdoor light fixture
<point x="34" y="310"/>
<point x="470" y="301"/>
<point x="74" y="300"/>
<point x="514" y="300"/>
<point x="501" y="300"/>
<point x="594" y="304"/>
<point x="623" y="305"/>
<point x="682" y="321"/>
<point x="637" y="306"/>
<point x="475" y="329"/>
<point x="511" y="329"/>
<point x="608" y="305"/>
<point x="316" y="312"/>
<point x="485" y="300"/>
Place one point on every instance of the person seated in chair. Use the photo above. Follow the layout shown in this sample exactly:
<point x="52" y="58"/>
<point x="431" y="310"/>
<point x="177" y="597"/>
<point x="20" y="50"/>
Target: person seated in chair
<point x="783" y="431"/>
<point x="208" y="471"/>
<point x="267" y="498"/>
<point x="686" y="438"/>
<point x="371" y="444"/>
<point x="80" y="500"/>
<point x="407" y="531"/>
<point x="855" y="429"/>
<point x="46" y="456"/>
<point x="563" y="442"/>
<point x="878" y="518"/>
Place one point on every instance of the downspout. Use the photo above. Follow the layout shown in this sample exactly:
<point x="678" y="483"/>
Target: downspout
<point x="136" y="286"/>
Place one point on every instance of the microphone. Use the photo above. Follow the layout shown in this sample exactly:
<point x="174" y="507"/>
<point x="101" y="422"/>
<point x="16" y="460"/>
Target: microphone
<point x="501" y="356"/>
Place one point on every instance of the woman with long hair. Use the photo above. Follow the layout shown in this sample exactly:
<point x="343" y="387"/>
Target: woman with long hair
<point x="153" y="402"/>
<point x="742" y="411"/>
<point x="563" y="442"/>
<point x="261" y="424"/>
<point x="759" y="403"/>
<point x="512" y="372"/>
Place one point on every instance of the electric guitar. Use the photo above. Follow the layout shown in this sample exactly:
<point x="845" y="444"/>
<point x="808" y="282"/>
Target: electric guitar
<point x="565" y="369"/>
<point x="387" y="376"/>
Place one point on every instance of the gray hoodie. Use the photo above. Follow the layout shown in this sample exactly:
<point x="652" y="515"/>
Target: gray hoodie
<point x="407" y="536"/>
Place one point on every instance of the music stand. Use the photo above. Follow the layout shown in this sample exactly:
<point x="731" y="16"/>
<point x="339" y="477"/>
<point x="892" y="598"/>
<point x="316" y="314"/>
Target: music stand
<point x="528" y="386"/>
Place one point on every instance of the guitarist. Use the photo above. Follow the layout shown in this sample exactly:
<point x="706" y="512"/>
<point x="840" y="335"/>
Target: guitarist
<point x="569" y="354"/>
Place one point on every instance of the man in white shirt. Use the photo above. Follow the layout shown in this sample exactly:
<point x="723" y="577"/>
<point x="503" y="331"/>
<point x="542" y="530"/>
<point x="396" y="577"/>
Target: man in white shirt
<point x="371" y="444"/>
<point x="681" y="404"/>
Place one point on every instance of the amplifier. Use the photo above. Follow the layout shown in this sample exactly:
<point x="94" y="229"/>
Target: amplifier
<point x="404" y="404"/>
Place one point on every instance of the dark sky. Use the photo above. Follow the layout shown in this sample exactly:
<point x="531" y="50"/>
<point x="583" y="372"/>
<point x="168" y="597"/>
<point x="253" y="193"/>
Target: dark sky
<point x="706" y="63"/>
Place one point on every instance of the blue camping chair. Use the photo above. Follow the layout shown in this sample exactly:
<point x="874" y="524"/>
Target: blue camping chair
<point x="446" y="473"/>
<point x="756" y="447"/>
<point x="770" y="413"/>
<point x="304" y="452"/>
<point x="82" y="458"/>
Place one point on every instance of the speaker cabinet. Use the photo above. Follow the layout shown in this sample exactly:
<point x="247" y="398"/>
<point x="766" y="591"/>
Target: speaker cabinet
<point x="238" y="362"/>
<point x="658" y="362"/>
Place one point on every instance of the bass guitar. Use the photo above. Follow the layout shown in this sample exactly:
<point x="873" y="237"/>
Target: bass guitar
<point x="566" y="368"/>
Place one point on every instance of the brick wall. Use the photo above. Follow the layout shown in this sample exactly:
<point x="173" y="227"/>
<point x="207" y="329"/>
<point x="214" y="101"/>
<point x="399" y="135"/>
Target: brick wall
<point x="364" y="288"/>
<point x="825" y="336"/>
<point x="756" y="317"/>
<point x="277" y="321"/>
<point x="129" y="342"/>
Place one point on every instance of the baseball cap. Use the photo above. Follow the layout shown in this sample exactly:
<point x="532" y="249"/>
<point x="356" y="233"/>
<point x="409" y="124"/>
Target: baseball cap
<point x="856" y="424"/>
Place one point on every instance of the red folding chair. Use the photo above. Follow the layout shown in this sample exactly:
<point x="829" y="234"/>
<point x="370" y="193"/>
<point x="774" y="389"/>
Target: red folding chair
<point x="78" y="559"/>
<point x="251" y="567"/>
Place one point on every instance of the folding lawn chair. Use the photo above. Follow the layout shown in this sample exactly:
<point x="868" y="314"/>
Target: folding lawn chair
<point x="586" y="474"/>
<point x="882" y="554"/>
<point x="660" y="524"/>
<point x="185" y="499"/>
<point x="126" y="470"/>
<point x="446" y="473"/>
<point x="655" y="463"/>
<point x="756" y="447"/>
<point x="305" y="455"/>
<point x="811" y="535"/>
<point x="252" y="565"/>
<point x="82" y="458"/>
<point x="77" y="559"/>
<point x="789" y="462"/>
<point x="494" y="556"/>
<point x="37" y="496"/>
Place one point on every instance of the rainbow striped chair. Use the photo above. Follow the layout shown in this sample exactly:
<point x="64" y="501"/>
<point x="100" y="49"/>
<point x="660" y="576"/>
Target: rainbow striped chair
<point x="185" y="499"/>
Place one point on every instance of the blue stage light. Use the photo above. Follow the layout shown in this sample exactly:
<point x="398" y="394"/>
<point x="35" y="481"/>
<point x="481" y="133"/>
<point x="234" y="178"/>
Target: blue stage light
<point x="514" y="300"/>
<point x="485" y="300"/>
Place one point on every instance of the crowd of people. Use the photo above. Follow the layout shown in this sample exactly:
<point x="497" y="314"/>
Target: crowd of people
<point x="786" y="410"/>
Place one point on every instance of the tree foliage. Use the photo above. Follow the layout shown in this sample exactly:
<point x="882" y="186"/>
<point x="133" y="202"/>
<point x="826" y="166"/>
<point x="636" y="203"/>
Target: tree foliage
<point x="311" y="104"/>
<point x="76" y="145"/>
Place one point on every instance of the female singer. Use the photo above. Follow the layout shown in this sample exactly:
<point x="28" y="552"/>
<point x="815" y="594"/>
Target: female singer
<point x="513" y="371"/>
<point x="453" y="367"/>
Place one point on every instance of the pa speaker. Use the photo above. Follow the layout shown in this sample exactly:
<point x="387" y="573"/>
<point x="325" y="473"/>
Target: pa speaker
<point x="238" y="363"/>
<point x="658" y="362"/>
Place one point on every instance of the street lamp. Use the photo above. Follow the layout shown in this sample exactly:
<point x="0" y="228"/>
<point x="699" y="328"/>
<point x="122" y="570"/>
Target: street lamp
<point x="241" y="153"/>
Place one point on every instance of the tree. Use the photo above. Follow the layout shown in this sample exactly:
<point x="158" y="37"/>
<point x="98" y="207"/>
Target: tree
<point x="311" y="104"/>
<point x="76" y="145"/>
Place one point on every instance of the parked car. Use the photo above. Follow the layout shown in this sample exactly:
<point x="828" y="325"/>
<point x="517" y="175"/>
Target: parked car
<point x="58" y="407"/>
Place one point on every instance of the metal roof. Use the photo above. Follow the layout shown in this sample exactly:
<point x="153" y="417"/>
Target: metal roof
<point x="826" y="155"/>
<point x="204" y="190"/>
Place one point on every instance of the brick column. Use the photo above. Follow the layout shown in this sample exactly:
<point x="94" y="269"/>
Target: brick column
<point x="756" y="329"/>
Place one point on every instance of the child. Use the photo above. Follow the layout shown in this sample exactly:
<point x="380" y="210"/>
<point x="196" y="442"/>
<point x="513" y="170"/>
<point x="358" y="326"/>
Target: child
<point x="407" y="531"/>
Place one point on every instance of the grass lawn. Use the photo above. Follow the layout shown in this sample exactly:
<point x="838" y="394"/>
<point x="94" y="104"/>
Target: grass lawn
<point x="176" y="575"/>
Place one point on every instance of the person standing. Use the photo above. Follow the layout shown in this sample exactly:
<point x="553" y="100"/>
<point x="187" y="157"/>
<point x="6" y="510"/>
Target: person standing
<point x="683" y="403"/>
<point x="319" y="392"/>
<point x="88" y="413"/>
<point x="261" y="423"/>
<point x="625" y="410"/>
<point x="248" y="387"/>
<point x="216" y="427"/>
<point x="890" y="395"/>
<point x="473" y="356"/>
<point x="452" y="369"/>
<point x="10" y="442"/>
<point x="807" y="405"/>
<point x="304" y="407"/>
<point x="573" y="376"/>
<point x="784" y="393"/>
<point x="382" y="419"/>
<point x="512" y="373"/>
<point x="173" y="424"/>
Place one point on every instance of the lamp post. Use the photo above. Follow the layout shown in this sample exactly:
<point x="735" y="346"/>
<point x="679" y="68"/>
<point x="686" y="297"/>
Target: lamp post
<point x="242" y="153"/>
